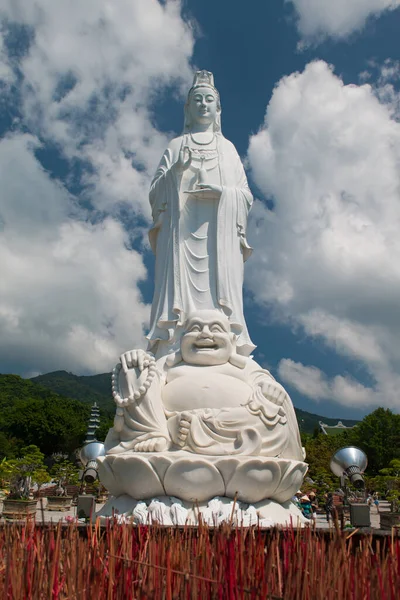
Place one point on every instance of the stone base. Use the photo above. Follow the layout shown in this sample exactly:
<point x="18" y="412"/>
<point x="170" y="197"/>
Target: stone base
<point x="19" y="509"/>
<point x="59" y="503"/>
<point x="171" y="511"/>
<point x="197" y="478"/>
<point x="389" y="520"/>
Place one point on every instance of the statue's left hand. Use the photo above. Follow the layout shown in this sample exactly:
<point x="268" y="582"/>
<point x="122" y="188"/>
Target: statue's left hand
<point x="134" y="358"/>
<point x="274" y="392"/>
<point x="208" y="191"/>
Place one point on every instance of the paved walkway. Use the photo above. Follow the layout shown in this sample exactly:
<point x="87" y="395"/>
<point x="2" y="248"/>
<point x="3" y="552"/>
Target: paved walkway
<point x="48" y="516"/>
<point x="374" y="516"/>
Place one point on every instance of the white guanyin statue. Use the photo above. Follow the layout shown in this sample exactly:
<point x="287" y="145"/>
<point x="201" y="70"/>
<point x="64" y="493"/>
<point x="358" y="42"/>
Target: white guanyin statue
<point x="200" y="200"/>
<point x="199" y="424"/>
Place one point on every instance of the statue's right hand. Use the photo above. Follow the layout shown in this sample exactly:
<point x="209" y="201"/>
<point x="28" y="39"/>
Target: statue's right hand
<point x="184" y="160"/>
<point x="134" y="358"/>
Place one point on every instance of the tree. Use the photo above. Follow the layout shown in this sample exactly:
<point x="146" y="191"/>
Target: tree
<point x="26" y="470"/>
<point x="319" y="451"/>
<point x="30" y="414"/>
<point x="64" y="472"/>
<point x="378" y="435"/>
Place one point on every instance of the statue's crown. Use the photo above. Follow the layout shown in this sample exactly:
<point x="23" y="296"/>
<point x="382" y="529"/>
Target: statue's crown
<point x="203" y="78"/>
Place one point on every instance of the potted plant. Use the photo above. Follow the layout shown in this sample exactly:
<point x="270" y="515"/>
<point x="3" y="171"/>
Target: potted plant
<point x="392" y="477"/>
<point x="22" y="473"/>
<point x="64" y="472"/>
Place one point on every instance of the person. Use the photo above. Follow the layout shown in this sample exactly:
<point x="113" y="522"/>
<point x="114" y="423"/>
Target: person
<point x="200" y="201"/>
<point x="305" y="506"/>
<point x="329" y="506"/>
<point x="296" y="498"/>
<point x="376" y="501"/>
<point x="314" y="504"/>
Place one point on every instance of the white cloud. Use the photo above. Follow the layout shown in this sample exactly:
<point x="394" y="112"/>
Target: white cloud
<point x="329" y="156"/>
<point x="337" y="18"/>
<point x="346" y="337"/>
<point x="68" y="291"/>
<point x="385" y="86"/>
<point x="309" y="381"/>
<point x="312" y="382"/>
<point x="88" y="81"/>
<point x="92" y="71"/>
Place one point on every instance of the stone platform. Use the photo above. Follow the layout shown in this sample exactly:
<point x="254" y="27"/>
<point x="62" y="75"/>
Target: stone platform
<point x="196" y="478"/>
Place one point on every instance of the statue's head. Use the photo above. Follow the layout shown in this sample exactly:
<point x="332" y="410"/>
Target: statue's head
<point x="203" y="104"/>
<point x="207" y="339"/>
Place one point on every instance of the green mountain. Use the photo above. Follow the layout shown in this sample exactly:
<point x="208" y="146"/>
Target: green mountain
<point x="32" y="414"/>
<point x="97" y="388"/>
<point x="85" y="388"/>
<point x="309" y="421"/>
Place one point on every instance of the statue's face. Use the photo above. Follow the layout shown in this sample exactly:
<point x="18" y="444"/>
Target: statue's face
<point x="207" y="339"/>
<point x="203" y="106"/>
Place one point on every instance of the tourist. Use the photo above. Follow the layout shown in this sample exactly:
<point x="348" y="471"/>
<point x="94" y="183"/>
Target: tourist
<point x="314" y="504"/>
<point x="329" y="506"/>
<point x="296" y="498"/>
<point x="306" y="507"/>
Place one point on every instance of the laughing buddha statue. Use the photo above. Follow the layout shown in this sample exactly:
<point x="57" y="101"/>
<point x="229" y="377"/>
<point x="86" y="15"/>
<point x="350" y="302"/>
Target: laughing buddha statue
<point x="206" y="399"/>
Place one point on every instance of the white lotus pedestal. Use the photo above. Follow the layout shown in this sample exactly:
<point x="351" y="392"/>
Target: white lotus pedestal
<point x="173" y="488"/>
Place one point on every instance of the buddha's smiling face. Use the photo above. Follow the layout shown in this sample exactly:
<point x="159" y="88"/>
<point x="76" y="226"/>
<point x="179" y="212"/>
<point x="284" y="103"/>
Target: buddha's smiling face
<point x="207" y="339"/>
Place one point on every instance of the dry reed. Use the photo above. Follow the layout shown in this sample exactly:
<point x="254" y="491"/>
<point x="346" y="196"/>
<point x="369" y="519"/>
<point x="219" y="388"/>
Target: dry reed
<point x="152" y="562"/>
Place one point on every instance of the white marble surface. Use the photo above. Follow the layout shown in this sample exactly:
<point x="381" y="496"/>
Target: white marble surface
<point x="197" y="418"/>
<point x="167" y="510"/>
<point x="200" y="201"/>
<point x="205" y="399"/>
<point x="194" y="477"/>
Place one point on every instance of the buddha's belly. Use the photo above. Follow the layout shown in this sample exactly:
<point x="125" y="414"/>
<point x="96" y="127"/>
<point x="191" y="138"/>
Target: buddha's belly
<point x="214" y="391"/>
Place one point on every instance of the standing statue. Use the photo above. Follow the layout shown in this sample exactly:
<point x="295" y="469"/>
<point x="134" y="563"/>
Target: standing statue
<point x="197" y="419"/>
<point x="200" y="200"/>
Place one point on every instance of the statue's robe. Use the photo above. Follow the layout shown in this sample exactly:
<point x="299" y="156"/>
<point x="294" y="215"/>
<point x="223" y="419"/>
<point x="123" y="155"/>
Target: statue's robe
<point x="172" y="301"/>
<point x="247" y="423"/>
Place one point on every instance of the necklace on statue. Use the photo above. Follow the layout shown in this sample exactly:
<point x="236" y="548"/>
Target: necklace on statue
<point x="202" y="143"/>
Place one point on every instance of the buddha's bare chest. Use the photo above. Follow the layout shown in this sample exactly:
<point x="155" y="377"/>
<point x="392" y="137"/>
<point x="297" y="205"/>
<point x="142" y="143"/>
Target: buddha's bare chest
<point x="216" y="390"/>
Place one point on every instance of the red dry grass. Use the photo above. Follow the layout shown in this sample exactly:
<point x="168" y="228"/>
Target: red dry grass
<point x="152" y="562"/>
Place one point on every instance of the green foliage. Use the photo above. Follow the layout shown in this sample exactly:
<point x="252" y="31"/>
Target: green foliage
<point x="23" y="471"/>
<point x="64" y="472"/>
<point x="319" y="451"/>
<point x="378" y="434"/>
<point x="30" y="414"/>
<point x="393" y="470"/>
<point x="86" y="389"/>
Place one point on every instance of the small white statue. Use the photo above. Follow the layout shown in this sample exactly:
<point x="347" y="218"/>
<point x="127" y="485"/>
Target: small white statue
<point x="205" y="399"/>
<point x="179" y="513"/>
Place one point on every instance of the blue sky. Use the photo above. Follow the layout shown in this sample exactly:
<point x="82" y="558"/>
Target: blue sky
<point x="90" y="95"/>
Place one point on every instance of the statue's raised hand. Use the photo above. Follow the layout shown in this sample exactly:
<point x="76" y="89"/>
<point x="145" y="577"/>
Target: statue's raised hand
<point x="132" y="377"/>
<point x="133" y="359"/>
<point x="184" y="160"/>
